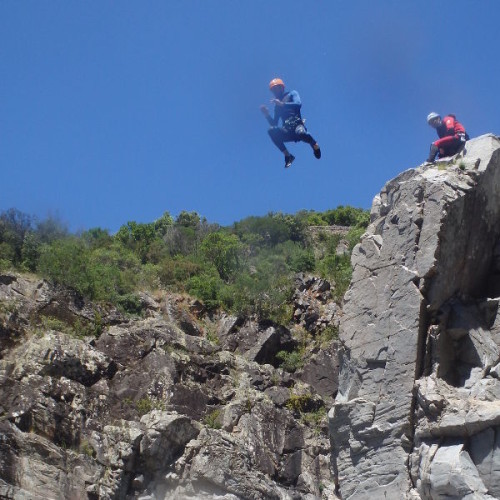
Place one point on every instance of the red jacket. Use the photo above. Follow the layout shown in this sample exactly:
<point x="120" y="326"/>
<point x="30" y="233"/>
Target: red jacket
<point x="450" y="126"/>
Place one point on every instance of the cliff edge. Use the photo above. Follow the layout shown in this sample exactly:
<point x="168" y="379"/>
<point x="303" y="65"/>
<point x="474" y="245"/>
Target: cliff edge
<point x="417" y="415"/>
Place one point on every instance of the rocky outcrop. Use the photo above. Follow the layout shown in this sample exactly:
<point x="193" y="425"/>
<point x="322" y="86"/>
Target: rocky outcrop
<point x="314" y="308"/>
<point x="417" y="413"/>
<point x="174" y="404"/>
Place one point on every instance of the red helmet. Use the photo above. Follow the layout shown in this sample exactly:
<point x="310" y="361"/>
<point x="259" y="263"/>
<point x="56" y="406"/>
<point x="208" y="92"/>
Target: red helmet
<point x="275" y="82"/>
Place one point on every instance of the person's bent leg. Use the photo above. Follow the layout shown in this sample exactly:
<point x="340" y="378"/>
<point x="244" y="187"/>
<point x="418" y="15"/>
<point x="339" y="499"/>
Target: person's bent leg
<point x="279" y="136"/>
<point x="302" y="135"/>
<point x="448" y="145"/>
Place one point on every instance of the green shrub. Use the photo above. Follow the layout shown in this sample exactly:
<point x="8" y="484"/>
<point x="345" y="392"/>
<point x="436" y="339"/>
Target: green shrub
<point x="130" y="303"/>
<point x="206" y="287"/>
<point x="302" y="261"/>
<point x="30" y="252"/>
<point x="96" y="238"/>
<point x="87" y="449"/>
<point x="337" y="268"/>
<point x="314" y="419"/>
<point x="354" y="235"/>
<point x="327" y="335"/>
<point x="188" y="219"/>
<point x="67" y="262"/>
<point x="271" y="229"/>
<point x="51" y="323"/>
<point x="298" y="404"/>
<point x="291" y="361"/>
<point x="212" y="420"/>
<point x="14" y="225"/>
<point x="5" y="264"/>
<point x="347" y="216"/>
<point x="92" y="328"/>
<point x="79" y="329"/>
<point x="223" y="251"/>
<point x="147" y="404"/>
<point x="177" y="270"/>
<point x="137" y="237"/>
<point x="163" y="224"/>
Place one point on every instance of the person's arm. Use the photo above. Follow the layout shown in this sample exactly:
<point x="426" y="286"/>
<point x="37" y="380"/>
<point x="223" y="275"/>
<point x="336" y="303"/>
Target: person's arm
<point x="273" y="121"/>
<point x="449" y="123"/>
<point x="290" y="106"/>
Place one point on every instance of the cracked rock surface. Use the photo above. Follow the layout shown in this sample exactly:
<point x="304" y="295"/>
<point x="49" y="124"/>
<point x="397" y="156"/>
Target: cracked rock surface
<point x="174" y="404"/>
<point x="417" y="414"/>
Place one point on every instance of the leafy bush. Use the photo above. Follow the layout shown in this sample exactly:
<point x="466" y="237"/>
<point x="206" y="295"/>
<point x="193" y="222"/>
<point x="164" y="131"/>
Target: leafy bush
<point x="347" y="216"/>
<point x="30" y="252"/>
<point x="290" y="361"/>
<point x="7" y="255"/>
<point x="66" y="261"/>
<point x="223" y="251"/>
<point x="177" y="270"/>
<point x="80" y="328"/>
<point x="207" y="288"/>
<point x="14" y="225"/>
<point x="130" y="303"/>
<point x="138" y="237"/>
<point x="114" y="271"/>
<point x="147" y="404"/>
<point x="188" y="219"/>
<point x="298" y="403"/>
<point x="337" y="269"/>
<point x="302" y="261"/>
<point x="212" y="420"/>
<point x="272" y="229"/>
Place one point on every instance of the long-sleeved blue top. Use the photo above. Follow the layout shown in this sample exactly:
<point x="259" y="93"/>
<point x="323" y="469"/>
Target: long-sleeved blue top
<point x="290" y="108"/>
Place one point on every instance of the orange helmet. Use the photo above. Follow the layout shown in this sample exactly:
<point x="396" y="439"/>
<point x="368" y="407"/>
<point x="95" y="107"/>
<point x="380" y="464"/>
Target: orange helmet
<point x="275" y="82"/>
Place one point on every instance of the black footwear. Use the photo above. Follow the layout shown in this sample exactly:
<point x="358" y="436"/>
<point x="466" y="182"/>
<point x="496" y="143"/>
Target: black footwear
<point x="432" y="153"/>
<point x="289" y="160"/>
<point x="317" y="151"/>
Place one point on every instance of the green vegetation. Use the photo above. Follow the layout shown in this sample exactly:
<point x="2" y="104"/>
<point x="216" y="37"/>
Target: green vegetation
<point x="245" y="268"/>
<point x="87" y="449"/>
<point x="79" y="329"/>
<point x="310" y="414"/>
<point x="298" y="403"/>
<point x="212" y="420"/>
<point x="291" y="361"/>
<point x="147" y="404"/>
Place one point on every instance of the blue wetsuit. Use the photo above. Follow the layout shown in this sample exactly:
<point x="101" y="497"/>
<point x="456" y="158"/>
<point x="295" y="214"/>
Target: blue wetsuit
<point x="292" y="127"/>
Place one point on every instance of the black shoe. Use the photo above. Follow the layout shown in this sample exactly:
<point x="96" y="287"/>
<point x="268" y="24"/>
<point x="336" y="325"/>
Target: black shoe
<point x="289" y="160"/>
<point x="317" y="151"/>
<point x="432" y="153"/>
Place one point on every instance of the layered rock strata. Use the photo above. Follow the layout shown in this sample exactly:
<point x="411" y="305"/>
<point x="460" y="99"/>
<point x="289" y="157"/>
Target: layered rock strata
<point x="417" y="415"/>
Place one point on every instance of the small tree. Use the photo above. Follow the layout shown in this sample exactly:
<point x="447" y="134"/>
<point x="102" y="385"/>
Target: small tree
<point x="67" y="262"/>
<point x="188" y="219"/>
<point x="223" y="251"/>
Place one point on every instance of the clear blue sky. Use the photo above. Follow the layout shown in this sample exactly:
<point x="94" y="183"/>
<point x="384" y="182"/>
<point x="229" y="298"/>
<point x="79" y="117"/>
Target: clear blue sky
<point x="118" y="111"/>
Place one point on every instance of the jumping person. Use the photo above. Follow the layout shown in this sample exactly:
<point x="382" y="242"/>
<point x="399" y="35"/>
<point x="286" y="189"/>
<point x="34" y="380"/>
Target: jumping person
<point x="451" y="133"/>
<point x="287" y="109"/>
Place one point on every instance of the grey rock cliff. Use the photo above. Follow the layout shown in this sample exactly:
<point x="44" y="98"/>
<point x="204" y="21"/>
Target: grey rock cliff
<point x="173" y="404"/>
<point x="417" y="414"/>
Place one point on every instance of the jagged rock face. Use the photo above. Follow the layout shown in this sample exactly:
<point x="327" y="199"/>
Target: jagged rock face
<point x="313" y="309"/>
<point x="417" y="412"/>
<point x="171" y="405"/>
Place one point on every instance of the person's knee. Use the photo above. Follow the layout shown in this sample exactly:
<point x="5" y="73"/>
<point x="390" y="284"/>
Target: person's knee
<point x="302" y="135"/>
